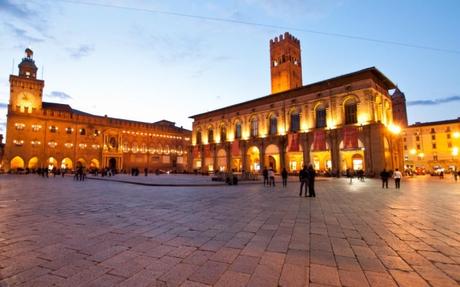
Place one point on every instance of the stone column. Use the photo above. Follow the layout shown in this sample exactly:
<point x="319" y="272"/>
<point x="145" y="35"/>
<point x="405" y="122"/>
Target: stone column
<point x="213" y="148"/>
<point x="306" y="144"/>
<point x="228" y="153"/>
<point x="262" y="154"/>
<point x="282" y="146"/>
<point x="243" y="154"/>
<point x="201" y="148"/>
<point x="335" y="151"/>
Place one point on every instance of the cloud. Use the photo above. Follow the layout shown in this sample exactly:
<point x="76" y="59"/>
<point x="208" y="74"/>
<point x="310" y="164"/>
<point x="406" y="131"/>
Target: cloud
<point x="22" y="34"/>
<point x="3" y="105"/>
<point x="14" y="9"/>
<point x="81" y="51"/>
<point x="454" y="98"/>
<point x="59" y="95"/>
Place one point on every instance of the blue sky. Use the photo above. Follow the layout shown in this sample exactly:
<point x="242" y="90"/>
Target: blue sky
<point x="135" y="64"/>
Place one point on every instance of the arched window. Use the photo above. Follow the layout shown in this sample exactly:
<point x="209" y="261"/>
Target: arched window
<point x="210" y="136"/>
<point x="223" y="134"/>
<point x="254" y="127"/>
<point x="198" y="137"/>
<point x="273" y="129"/>
<point x="295" y="122"/>
<point x="351" y="116"/>
<point x="82" y="132"/>
<point x="320" y="117"/>
<point x="238" y="130"/>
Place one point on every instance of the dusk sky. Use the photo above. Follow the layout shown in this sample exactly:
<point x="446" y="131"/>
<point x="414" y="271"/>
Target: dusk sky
<point x="136" y="63"/>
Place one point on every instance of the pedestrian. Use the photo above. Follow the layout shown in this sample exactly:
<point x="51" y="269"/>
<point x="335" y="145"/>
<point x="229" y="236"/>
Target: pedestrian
<point x="271" y="175"/>
<point x="146" y="171"/>
<point x="303" y="177"/>
<point x="350" y="174"/>
<point x="284" y="176"/>
<point x="311" y="181"/>
<point x="455" y="175"/>
<point x="265" y="175"/>
<point x="441" y="174"/>
<point x="384" y="176"/>
<point x="397" y="175"/>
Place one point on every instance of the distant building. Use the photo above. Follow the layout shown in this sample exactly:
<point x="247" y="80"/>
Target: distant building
<point x="337" y="124"/>
<point x="43" y="134"/>
<point x="432" y="145"/>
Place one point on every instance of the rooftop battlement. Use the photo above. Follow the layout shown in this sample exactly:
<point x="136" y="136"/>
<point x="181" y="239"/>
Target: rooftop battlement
<point x="286" y="37"/>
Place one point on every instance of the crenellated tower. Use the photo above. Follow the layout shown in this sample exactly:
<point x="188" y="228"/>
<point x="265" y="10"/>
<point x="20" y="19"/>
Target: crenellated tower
<point x="398" y="100"/>
<point x="285" y="63"/>
<point x="25" y="89"/>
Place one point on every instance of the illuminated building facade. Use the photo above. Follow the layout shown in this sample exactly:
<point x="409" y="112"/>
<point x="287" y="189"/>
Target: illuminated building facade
<point x="43" y="134"/>
<point x="336" y="124"/>
<point x="432" y="145"/>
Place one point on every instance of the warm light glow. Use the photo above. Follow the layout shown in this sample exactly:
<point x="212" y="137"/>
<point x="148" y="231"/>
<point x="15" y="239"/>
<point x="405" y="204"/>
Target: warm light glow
<point x="413" y="151"/>
<point x="421" y="154"/>
<point x="456" y="135"/>
<point x="363" y="118"/>
<point x="394" y="129"/>
<point x="331" y="124"/>
<point x="455" y="151"/>
<point x="281" y="130"/>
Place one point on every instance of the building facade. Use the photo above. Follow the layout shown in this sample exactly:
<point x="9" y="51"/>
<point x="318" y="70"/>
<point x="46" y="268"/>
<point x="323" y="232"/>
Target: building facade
<point x="336" y="124"/>
<point x="432" y="145"/>
<point x="43" y="134"/>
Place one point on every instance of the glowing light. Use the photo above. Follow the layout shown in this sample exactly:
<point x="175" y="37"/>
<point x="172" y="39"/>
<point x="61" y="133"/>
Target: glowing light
<point x="455" y="151"/>
<point x="394" y="129"/>
<point x="413" y="151"/>
<point x="456" y="135"/>
<point x="331" y="124"/>
<point x="363" y="119"/>
<point x="421" y="154"/>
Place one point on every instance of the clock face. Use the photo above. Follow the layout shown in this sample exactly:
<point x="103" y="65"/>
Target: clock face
<point x="25" y="96"/>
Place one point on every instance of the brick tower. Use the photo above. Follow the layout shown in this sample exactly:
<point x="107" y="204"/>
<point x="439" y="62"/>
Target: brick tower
<point x="399" y="108"/>
<point x="26" y="91"/>
<point x="285" y="63"/>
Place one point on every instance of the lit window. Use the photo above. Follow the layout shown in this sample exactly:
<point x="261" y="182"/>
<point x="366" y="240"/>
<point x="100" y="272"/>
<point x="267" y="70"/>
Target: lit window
<point x="18" y="142"/>
<point x="35" y="143"/>
<point x="53" y="129"/>
<point x="52" y="144"/>
<point x="82" y="146"/>
<point x="36" y="128"/>
<point x="19" y="126"/>
<point x="69" y="130"/>
<point x="68" y="145"/>
<point x="82" y="132"/>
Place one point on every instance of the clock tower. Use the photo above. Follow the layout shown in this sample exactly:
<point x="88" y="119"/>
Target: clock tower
<point x="25" y="90"/>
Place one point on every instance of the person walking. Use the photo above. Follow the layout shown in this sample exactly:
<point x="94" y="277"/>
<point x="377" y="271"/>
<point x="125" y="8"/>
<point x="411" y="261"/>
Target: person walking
<point x="271" y="176"/>
<point x="284" y="176"/>
<point x="350" y="174"/>
<point x="265" y="175"/>
<point x="303" y="177"/>
<point x="455" y="175"/>
<point x="384" y="176"/>
<point x="397" y="175"/>
<point x="311" y="181"/>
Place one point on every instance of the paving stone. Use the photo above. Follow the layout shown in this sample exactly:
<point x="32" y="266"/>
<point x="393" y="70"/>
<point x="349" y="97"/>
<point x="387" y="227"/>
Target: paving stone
<point x="209" y="273"/>
<point x="353" y="278"/>
<point x="326" y="275"/>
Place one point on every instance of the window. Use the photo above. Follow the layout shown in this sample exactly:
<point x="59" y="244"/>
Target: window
<point x="82" y="132"/>
<point x="295" y="122"/>
<point x="223" y="134"/>
<point x="97" y="132"/>
<point x="254" y="127"/>
<point x="417" y="138"/>
<point x="69" y="130"/>
<point x="53" y="129"/>
<point x="210" y="136"/>
<point x="449" y="144"/>
<point x="351" y="112"/>
<point x="433" y="137"/>
<point x="198" y="137"/>
<point x="404" y="139"/>
<point x="418" y="146"/>
<point x="405" y="147"/>
<point x="435" y="157"/>
<point x="320" y="117"/>
<point x="19" y="126"/>
<point x="273" y="125"/>
<point x="238" y="130"/>
<point x="448" y="136"/>
<point x="433" y="146"/>
<point x="36" y="128"/>
<point x="433" y="131"/>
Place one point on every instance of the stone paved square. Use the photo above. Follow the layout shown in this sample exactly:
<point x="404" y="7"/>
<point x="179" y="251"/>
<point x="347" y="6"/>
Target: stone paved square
<point x="59" y="232"/>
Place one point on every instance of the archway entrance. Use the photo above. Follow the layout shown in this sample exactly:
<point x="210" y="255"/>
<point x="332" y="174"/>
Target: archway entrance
<point x="66" y="163"/>
<point x="253" y="159"/>
<point x="112" y="163"/>
<point x="33" y="163"/>
<point x="294" y="160"/>
<point x="352" y="158"/>
<point x="94" y="163"/>
<point x="222" y="160"/>
<point x="81" y="162"/>
<point x="17" y="163"/>
<point x="52" y="163"/>
<point x="272" y="157"/>
<point x="237" y="163"/>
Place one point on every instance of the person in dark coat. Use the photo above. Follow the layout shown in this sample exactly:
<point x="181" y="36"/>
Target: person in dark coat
<point x="284" y="176"/>
<point x="311" y="181"/>
<point x="265" y="175"/>
<point x="384" y="175"/>
<point x="303" y="177"/>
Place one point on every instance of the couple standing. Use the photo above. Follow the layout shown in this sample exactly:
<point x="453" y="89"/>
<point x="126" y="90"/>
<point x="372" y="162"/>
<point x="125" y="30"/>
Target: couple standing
<point x="307" y="179"/>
